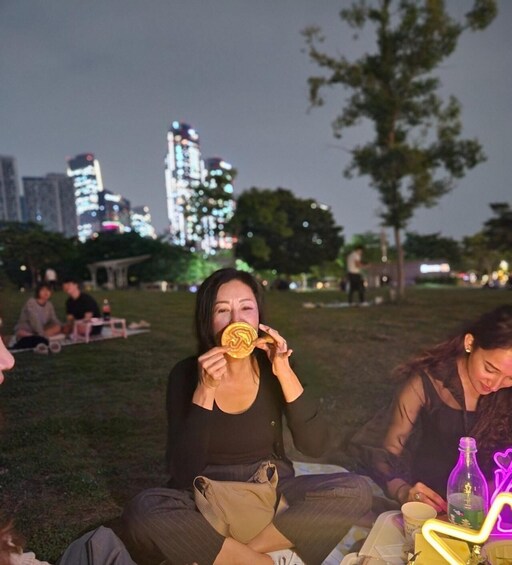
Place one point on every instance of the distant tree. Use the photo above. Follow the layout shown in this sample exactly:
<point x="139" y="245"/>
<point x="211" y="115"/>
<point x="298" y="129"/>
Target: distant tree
<point x="27" y="249"/>
<point x="417" y="152"/>
<point x="277" y="230"/>
<point x="483" y="251"/>
<point x="432" y="246"/>
<point x="478" y="255"/>
<point x="167" y="262"/>
<point x="498" y="230"/>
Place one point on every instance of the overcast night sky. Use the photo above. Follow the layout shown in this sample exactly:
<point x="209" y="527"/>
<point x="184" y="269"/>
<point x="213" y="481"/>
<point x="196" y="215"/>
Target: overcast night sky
<point x="109" y="77"/>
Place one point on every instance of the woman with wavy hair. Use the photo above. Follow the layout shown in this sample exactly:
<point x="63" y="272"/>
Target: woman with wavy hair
<point x="460" y="387"/>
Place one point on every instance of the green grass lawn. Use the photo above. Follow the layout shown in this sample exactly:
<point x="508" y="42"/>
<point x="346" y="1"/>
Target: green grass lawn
<point x="84" y="430"/>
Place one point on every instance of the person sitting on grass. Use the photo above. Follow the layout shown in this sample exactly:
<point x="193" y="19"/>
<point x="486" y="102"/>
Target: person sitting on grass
<point x="225" y="418"/>
<point x="80" y="306"/>
<point x="461" y="387"/>
<point x="38" y="321"/>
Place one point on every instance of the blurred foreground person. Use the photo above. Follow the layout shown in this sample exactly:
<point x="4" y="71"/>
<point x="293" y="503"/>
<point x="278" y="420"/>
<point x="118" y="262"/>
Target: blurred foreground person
<point x="6" y="360"/>
<point x="99" y="547"/>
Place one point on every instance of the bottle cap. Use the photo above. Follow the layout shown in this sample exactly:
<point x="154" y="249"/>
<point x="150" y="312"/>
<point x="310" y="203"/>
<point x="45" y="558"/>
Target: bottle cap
<point x="467" y="443"/>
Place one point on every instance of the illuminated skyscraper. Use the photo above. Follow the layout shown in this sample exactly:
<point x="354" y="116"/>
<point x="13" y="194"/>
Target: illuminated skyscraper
<point x="10" y="208"/>
<point x="114" y="212"/>
<point x="141" y="222"/>
<point x="219" y="184"/>
<point x="50" y="201"/>
<point x="86" y="174"/>
<point x="199" y="197"/>
<point x="183" y="174"/>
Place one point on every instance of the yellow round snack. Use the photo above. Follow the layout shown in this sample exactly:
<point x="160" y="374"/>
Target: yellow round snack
<point x="239" y="337"/>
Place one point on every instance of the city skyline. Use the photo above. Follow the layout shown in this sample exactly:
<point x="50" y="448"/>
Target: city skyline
<point x="82" y="79"/>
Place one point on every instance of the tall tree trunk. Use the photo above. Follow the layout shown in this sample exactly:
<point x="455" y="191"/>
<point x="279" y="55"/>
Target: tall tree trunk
<point x="400" y="274"/>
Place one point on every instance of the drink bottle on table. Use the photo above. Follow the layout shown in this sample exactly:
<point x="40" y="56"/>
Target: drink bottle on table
<point x="467" y="491"/>
<point x="106" y="310"/>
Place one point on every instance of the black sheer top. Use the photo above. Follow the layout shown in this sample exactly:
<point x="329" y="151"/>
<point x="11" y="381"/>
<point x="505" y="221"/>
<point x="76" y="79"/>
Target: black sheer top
<point x="417" y="437"/>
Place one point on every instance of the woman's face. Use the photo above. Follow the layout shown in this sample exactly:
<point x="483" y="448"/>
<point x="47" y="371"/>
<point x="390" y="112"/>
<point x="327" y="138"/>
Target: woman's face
<point x="489" y="370"/>
<point x="6" y="360"/>
<point x="235" y="302"/>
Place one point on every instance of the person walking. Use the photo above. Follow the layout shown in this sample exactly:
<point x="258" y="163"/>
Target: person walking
<point x="355" y="277"/>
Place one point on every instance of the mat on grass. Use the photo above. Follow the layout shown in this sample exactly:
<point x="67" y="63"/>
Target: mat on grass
<point x="375" y="302"/>
<point x="356" y="533"/>
<point x="105" y="334"/>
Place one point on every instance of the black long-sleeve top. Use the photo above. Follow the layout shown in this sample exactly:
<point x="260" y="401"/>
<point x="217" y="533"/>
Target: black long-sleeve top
<point x="197" y="437"/>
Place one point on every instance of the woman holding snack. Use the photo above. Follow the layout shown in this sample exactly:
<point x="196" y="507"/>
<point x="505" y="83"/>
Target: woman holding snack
<point x="225" y="408"/>
<point x="461" y="387"/>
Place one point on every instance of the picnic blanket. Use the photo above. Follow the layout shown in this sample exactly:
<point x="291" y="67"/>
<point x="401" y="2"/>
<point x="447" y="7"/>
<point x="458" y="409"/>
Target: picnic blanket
<point x="375" y="302"/>
<point x="105" y="334"/>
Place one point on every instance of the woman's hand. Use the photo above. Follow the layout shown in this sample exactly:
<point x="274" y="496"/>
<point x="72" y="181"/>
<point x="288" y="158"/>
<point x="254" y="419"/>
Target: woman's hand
<point x="279" y="355"/>
<point x="212" y="367"/>
<point x="422" y="493"/>
<point x="276" y="349"/>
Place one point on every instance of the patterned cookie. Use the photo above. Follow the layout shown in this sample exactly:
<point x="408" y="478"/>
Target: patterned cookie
<point x="240" y="338"/>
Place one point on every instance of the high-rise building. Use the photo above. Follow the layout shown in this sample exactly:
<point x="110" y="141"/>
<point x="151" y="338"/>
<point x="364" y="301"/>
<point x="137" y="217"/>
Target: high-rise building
<point x="114" y="211"/>
<point x="183" y="174"/>
<point x="199" y="197"/>
<point x="10" y="208"/>
<point x="221" y="205"/>
<point x="86" y="174"/>
<point x="141" y="222"/>
<point x="50" y="201"/>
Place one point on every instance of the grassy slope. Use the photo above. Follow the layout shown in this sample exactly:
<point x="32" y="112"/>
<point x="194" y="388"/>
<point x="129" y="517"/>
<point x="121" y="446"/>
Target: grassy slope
<point x="84" y="430"/>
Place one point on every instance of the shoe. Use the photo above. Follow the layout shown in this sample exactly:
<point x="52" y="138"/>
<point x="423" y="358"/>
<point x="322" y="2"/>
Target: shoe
<point x="55" y="347"/>
<point x="41" y="349"/>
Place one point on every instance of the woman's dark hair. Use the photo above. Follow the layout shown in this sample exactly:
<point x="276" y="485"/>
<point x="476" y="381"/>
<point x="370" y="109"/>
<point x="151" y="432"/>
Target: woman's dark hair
<point x="492" y="330"/>
<point x="206" y="296"/>
<point x="40" y="287"/>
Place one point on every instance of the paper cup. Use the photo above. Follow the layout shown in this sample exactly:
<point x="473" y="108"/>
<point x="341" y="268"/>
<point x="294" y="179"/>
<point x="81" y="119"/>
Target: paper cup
<point x="415" y="514"/>
<point x="497" y="552"/>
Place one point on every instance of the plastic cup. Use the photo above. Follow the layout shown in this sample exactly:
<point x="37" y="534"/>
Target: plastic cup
<point x="415" y="514"/>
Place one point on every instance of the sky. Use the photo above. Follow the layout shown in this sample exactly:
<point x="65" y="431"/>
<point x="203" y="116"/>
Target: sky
<point x="110" y="76"/>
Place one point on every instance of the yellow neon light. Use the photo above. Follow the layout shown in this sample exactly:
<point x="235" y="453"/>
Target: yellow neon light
<point x="431" y="528"/>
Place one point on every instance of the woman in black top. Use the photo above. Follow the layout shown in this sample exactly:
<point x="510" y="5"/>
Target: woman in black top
<point x="461" y="387"/>
<point x="224" y="419"/>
